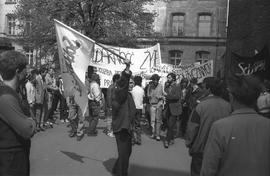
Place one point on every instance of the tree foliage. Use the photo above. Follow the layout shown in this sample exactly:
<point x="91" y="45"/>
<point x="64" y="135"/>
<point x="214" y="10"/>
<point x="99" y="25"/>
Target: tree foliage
<point x="116" y="22"/>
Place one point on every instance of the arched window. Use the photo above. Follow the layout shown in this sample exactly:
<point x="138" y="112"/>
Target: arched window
<point x="178" y="20"/>
<point x="175" y="56"/>
<point x="202" y="56"/>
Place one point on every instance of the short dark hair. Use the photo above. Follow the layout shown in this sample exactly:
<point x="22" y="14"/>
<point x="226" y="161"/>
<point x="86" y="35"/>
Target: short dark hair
<point x="172" y="75"/>
<point x="10" y="61"/>
<point x="194" y="80"/>
<point x="245" y="89"/>
<point x="138" y="80"/>
<point x="214" y="84"/>
<point x="155" y="77"/>
<point x="115" y="77"/>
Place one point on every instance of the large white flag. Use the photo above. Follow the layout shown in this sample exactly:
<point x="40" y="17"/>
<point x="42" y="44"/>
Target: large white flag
<point x="75" y="51"/>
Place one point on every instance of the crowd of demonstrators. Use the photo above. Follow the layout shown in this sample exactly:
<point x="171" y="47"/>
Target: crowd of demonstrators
<point x="219" y="120"/>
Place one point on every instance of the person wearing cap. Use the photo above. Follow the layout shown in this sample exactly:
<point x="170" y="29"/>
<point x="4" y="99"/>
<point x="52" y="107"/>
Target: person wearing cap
<point x="155" y="95"/>
<point x="194" y="94"/>
<point x="239" y="144"/>
<point x="16" y="128"/>
<point x="263" y="102"/>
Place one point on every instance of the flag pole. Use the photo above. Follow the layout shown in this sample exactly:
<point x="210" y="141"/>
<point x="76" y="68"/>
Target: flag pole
<point x="73" y="30"/>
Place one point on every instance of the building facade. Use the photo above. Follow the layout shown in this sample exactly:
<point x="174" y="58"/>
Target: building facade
<point x="190" y="31"/>
<point x="9" y="31"/>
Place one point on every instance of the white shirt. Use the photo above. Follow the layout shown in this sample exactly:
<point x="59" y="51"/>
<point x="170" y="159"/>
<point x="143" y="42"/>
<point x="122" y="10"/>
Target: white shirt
<point x="138" y="94"/>
<point x="30" y="92"/>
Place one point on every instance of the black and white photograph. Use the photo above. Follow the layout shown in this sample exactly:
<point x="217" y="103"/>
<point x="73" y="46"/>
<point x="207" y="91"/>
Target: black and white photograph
<point x="134" y="88"/>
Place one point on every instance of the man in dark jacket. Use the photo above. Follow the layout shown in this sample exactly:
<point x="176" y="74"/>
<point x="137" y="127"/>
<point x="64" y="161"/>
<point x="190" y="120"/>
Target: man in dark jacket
<point x="174" y="106"/>
<point x="123" y="113"/>
<point x="16" y="128"/>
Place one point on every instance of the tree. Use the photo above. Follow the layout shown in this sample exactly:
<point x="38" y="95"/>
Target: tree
<point x="115" y="22"/>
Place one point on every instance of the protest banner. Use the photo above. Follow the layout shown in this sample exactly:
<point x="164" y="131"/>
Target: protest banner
<point x="189" y="71"/>
<point x="107" y="61"/>
<point x="258" y="64"/>
<point x="75" y="51"/>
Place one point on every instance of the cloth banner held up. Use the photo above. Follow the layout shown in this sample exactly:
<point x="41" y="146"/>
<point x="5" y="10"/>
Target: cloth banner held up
<point x="191" y="71"/>
<point x="259" y="64"/>
<point x="106" y="60"/>
<point x="75" y="51"/>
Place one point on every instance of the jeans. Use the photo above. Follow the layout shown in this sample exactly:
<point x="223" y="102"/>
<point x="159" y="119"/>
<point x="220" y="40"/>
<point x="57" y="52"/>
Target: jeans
<point x="156" y="114"/>
<point x="137" y="126"/>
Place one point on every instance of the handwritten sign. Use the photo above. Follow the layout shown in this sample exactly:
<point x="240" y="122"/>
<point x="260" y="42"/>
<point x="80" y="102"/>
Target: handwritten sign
<point x="108" y="64"/>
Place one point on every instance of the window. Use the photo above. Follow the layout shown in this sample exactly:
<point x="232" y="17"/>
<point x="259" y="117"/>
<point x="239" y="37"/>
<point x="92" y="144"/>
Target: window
<point x="178" y="24"/>
<point x="204" y="25"/>
<point x="30" y="55"/>
<point x="175" y="57"/>
<point x="202" y="56"/>
<point x="11" y="1"/>
<point x="27" y="27"/>
<point x="11" y="25"/>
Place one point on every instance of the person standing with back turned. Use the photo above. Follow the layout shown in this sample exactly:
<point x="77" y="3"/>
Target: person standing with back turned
<point x="16" y="128"/>
<point x="239" y="144"/>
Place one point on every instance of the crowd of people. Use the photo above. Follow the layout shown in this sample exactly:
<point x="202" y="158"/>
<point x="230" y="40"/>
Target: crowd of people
<point x="225" y="124"/>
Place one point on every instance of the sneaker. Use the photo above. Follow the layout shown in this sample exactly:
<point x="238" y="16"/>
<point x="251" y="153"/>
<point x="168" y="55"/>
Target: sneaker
<point x="171" y="142"/>
<point x="67" y="121"/>
<point x="166" y="145"/>
<point x="79" y="138"/>
<point x="110" y="134"/>
<point x="158" y="138"/>
<point x="62" y="121"/>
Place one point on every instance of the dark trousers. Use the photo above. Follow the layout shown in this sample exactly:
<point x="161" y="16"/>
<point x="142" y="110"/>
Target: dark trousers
<point x="14" y="163"/>
<point x="124" y="147"/>
<point x="55" y="101"/>
<point x="170" y="128"/>
<point x="196" y="164"/>
<point x="137" y="126"/>
<point x="184" y="116"/>
<point x="63" y="108"/>
<point x="94" y="111"/>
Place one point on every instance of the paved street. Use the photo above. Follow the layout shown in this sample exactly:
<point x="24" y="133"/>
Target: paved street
<point x="53" y="153"/>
